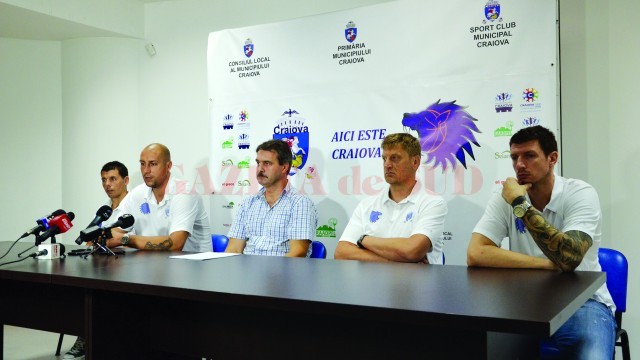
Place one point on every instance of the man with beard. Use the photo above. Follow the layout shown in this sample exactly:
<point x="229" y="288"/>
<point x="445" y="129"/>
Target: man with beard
<point x="552" y="223"/>
<point x="167" y="216"/>
<point x="278" y="220"/>
<point x="402" y="223"/>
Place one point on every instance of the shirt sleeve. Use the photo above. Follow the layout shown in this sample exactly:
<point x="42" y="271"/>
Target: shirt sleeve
<point x="125" y="207"/>
<point x="184" y="210"/>
<point x="582" y="211"/>
<point x="494" y="222"/>
<point x="431" y="220"/>
<point x="238" y="230"/>
<point x="355" y="227"/>
<point x="304" y="220"/>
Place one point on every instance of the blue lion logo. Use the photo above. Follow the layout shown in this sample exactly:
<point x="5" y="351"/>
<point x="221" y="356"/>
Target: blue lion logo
<point x="374" y="216"/>
<point x="145" y="209"/>
<point x="445" y="129"/>
<point x="409" y="217"/>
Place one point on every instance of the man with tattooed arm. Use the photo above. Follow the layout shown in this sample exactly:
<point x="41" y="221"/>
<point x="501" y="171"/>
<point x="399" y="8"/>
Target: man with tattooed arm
<point x="167" y="216"/>
<point x="552" y="223"/>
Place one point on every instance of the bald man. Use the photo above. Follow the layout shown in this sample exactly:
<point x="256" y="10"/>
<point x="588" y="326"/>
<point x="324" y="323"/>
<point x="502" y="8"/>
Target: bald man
<point x="167" y="216"/>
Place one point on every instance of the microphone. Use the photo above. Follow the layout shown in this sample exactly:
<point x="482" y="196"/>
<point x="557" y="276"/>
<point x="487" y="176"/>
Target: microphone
<point x="57" y="225"/>
<point x="43" y="223"/>
<point x="49" y="251"/>
<point x="103" y="214"/>
<point x="94" y="232"/>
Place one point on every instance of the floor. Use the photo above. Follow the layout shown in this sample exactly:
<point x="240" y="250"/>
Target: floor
<point x="28" y="344"/>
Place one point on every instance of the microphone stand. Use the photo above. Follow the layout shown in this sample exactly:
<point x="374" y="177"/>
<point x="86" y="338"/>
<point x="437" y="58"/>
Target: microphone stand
<point x="37" y="242"/>
<point x="101" y="245"/>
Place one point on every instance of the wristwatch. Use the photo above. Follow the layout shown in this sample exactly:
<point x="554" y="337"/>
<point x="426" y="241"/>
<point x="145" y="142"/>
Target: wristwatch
<point x="359" y="242"/>
<point x="125" y="239"/>
<point x="521" y="209"/>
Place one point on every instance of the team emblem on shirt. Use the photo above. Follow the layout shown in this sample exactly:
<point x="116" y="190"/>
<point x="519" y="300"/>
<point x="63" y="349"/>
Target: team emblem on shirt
<point x="409" y="216"/>
<point x="145" y="209"/>
<point x="374" y="216"/>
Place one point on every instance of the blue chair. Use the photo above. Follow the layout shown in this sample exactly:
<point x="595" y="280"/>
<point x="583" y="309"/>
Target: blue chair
<point x="614" y="263"/>
<point x="219" y="242"/>
<point x="318" y="250"/>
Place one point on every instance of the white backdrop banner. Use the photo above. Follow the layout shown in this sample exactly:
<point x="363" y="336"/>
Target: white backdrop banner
<point x="461" y="76"/>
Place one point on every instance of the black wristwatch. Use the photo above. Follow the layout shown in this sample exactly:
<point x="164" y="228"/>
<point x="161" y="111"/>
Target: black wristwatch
<point x="125" y="239"/>
<point x="359" y="242"/>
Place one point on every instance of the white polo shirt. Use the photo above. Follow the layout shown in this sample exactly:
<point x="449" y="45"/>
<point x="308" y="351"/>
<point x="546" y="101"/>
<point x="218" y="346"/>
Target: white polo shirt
<point x="417" y="214"/>
<point x="178" y="211"/>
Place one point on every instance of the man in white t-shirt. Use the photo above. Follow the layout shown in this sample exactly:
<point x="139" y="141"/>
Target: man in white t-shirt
<point x="115" y="178"/>
<point x="402" y="223"/>
<point x="167" y="216"/>
<point x="552" y="223"/>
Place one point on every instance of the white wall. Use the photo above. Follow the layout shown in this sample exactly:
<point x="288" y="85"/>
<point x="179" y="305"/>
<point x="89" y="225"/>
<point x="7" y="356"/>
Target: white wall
<point x="30" y="133"/>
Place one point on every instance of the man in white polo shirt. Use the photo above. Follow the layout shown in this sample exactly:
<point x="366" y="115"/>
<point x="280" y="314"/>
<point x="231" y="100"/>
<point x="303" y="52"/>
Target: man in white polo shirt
<point x="401" y="223"/>
<point x="167" y="216"/>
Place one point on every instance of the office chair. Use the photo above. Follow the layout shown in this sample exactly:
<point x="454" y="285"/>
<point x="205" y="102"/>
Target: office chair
<point x="614" y="263"/>
<point x="318" y="250"/>
<point x="219" y="242"/>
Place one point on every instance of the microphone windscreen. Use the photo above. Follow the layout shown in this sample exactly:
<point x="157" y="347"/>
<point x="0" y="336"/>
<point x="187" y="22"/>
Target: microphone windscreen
<point x="126" y="220"/>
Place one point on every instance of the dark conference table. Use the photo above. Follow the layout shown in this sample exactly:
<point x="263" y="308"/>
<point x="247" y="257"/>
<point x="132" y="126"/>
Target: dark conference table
<point x="143" y="304"/>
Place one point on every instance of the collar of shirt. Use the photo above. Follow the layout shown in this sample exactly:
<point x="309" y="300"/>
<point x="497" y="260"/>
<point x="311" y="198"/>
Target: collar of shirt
<point x="285" y="192"/>
<point x="168" y="191"/>
<point x="411" y="198"/>
<point x="556" y="195"/>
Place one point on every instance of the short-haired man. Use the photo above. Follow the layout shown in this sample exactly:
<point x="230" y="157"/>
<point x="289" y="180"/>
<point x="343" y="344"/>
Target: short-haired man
<point x="552" y="223"/>
<point x="401" y="223"/>
<point x="278" y="220"/>
<point x="167" y="216"/>
<point x="115" y="178"/>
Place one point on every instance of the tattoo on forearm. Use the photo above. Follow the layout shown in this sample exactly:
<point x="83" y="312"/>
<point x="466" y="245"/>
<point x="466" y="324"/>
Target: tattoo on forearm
<point x="564" y="249"/>
<point x="163" y="246"/>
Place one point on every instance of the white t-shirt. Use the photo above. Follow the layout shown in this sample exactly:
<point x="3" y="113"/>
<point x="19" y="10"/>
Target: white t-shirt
<point x="178" y="211"/>
<point x="574" y="205"/>
<point x="417" y="214"/>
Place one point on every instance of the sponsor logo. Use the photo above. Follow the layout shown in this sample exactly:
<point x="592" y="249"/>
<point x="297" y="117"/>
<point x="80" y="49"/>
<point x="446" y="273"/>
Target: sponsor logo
<point x="503" y="155"/>
<point x="227" y="122"/>
<point x="230" y="205"/>
<point x="311" y="172"/>
<point x="243" y="141"/>
<point x="530" y="95"/>
<point x="445" y="131"/>
<point x="244" y="183"/>
<point x="531" y="100"/>
<point x="503" y="103"/>
<point x="228" y="144"/>
<point x="530" y="121"/>
<point x="505" y="130"/>
<point x="329" y="230"/>
<point x="227" y="162"/>
<point x="228" y="184"/>
<point x="244" y="164"/>
<point x="243" y="120"/>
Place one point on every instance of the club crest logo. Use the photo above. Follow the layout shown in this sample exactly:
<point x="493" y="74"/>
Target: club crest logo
<point x="248" y="48"/>
<point x="374" y="216"/>
<point x="351" y="32"/>
<point x="292" y="128"/>
<point x="492" y="11"/>
<point x="445" y="130"/>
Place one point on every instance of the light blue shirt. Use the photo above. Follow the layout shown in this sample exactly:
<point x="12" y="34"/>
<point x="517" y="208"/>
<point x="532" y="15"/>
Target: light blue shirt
<point x="267" y="230"/>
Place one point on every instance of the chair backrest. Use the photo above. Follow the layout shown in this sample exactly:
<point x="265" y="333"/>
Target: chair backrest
<point x="614" y="263"/>
<point x="219" y="242"/>
<point x="318" y="250"/>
